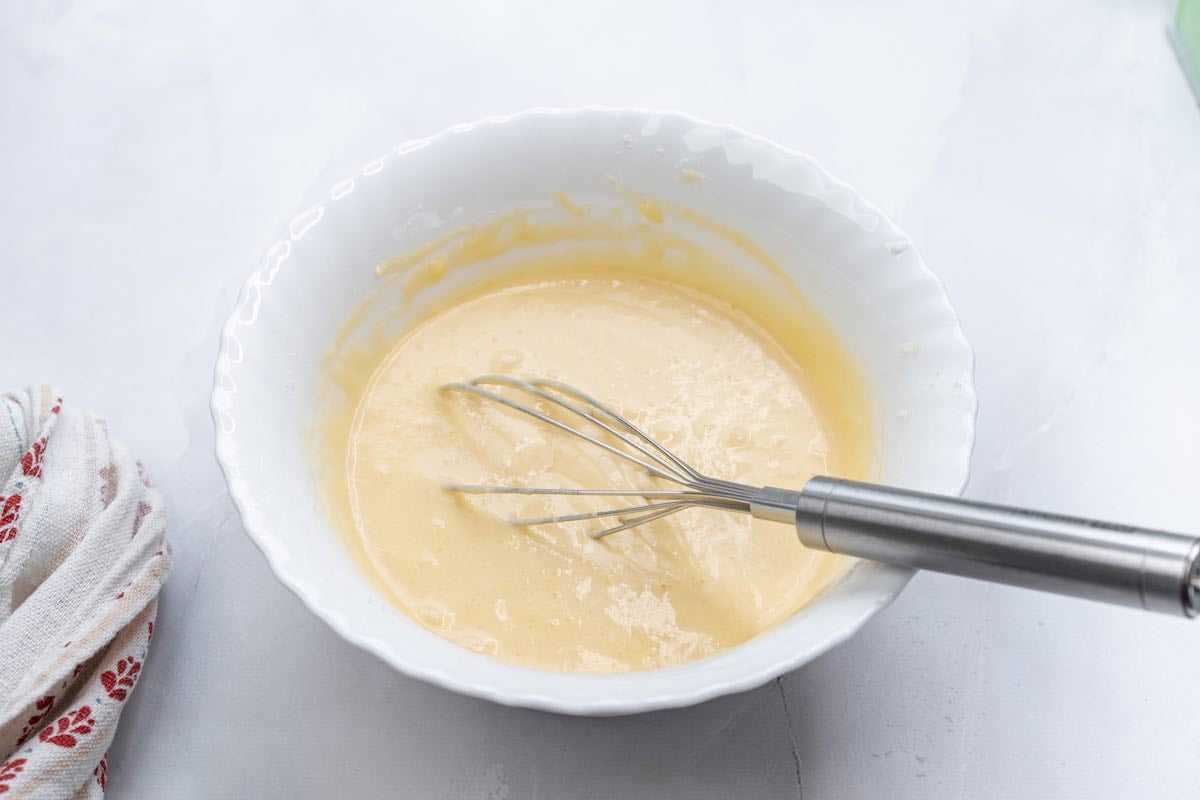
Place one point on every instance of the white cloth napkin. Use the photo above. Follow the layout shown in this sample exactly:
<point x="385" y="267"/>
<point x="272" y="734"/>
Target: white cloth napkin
<point x="82" y="557"/>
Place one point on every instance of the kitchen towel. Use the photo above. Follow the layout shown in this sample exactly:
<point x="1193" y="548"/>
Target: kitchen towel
<point x="82" y="558"/>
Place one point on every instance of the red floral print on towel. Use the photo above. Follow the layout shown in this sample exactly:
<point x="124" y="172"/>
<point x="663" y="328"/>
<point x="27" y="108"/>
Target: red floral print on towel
<point x="9" y="771"/>
<point x="31" y="462"/>
<point x="10" y="509"/>
<point x="43" y="710"/>
<point x="74" y="724"/>
<point x="118" y="682"/>
<point x="101" y="773"/>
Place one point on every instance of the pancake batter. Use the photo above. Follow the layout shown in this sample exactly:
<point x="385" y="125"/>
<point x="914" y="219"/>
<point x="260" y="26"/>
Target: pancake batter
<point x="633" y="305"/>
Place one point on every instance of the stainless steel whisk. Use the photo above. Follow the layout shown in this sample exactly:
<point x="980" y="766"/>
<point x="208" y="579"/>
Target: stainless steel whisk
<point x="1149" y="569"/>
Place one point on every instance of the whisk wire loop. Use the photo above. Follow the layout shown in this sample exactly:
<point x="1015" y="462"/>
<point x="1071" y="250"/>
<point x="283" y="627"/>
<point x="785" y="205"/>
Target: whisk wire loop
<point x="647" y="453"/>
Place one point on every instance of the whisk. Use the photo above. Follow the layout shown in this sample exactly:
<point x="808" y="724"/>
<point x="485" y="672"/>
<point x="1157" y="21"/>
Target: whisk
<point x="1149" y="569"/>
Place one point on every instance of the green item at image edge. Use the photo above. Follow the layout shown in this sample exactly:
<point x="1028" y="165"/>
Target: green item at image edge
<point x="1186" y="36"/>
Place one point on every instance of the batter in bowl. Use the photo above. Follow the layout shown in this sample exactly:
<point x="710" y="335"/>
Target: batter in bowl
<point x="703" y="376"/>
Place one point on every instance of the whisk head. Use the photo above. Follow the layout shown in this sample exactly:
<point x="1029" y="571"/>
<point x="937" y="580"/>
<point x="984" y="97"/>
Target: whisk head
<point x="600" y="425"/>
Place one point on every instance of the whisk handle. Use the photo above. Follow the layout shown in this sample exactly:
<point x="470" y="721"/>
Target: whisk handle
<point x="1131" y="566"/>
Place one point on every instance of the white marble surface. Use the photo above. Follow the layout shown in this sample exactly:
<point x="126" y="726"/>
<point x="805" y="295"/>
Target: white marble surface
<point x="1046" y="157"/>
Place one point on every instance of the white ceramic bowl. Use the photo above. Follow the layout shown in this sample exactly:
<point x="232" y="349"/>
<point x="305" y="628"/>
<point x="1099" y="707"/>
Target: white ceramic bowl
<point x="851" y="261"/>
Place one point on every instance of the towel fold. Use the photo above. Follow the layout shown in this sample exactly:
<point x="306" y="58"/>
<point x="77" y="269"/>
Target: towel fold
<point x="82" y="558"/>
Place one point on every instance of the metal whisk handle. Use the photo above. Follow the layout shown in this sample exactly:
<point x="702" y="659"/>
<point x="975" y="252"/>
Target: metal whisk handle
<point x="1149" y="569"/>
